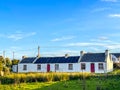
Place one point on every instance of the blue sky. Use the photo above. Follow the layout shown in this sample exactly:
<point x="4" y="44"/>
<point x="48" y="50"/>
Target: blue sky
<point x="59" y="26"/>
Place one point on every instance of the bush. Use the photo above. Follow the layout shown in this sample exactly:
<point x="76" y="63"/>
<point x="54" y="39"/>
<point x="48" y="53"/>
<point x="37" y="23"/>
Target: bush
<point x="6" y="80"/>
<point x="41" y="77"/>
<point x="116" y="65"/>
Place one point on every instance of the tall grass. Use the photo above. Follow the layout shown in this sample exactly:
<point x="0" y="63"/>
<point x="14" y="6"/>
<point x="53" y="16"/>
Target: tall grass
<point x="41" y="77"/>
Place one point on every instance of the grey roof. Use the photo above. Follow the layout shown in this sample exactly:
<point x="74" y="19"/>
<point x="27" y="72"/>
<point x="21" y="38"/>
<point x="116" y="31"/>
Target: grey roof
<point x="116" y="54"/>
<point x="93" y="57"/>
<point x="114" y="58"/>
<point x="28" y="60"/>
<point x="71" y="59"/>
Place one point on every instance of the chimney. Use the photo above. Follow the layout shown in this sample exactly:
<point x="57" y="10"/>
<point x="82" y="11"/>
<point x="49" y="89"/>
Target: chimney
<point x="66" y="55"/>
<point x="107" y="52"/>
<point x="23" y="57"/>
<point x="38" y="51"/>
<point x="82" y="53"/>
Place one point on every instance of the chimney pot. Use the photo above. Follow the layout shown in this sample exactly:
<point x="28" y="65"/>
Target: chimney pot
<point x="82" y="53"/>
<point x="106" y="52"/>
<point x="23" y="57"/>
<point x="66" y="55"/>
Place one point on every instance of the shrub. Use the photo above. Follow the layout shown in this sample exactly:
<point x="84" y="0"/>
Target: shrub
<point x="41" y="77"/>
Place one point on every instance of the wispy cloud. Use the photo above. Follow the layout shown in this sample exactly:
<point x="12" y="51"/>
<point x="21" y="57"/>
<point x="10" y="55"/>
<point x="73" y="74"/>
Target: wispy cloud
<point x="19" y="52"/>
<point x="63" y="38"/>
<point x="60" y="53"/>
<point x="100" y="9"/>
<point x="109" y="0"/>
<point x="114" y="15"/>
<point x="101" y="39"/>
<point x="18" y="35"/>
<point x="85" y="44"/>
<point x="96" y="49"/>
<point x="91" y="44"/>
<point x="114" y="34"/>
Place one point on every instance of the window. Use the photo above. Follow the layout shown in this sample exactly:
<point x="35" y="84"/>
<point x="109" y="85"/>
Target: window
<point x="56" y="66"/>
<point x="38" y="67"/>
<point x="100" y="66"/>
<point x="83" y="66"/>
<point x="24" y="67"/>
<point x="70" y="66"/>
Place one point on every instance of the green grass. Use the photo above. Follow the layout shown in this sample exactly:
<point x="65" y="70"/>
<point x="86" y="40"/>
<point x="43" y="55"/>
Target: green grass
<point x="91" y="84"/>
<point x="61" y="81"/>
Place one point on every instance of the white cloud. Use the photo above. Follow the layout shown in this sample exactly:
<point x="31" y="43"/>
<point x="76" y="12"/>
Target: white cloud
<point x="19" y="52"/>
<point x="85" y="44"/>
<point x="101" y="39"/>
<point x="61" y="53"/>
<point x="18" y="35"/>
<point x="117" y="46"/>
<point x="63" y="38"/>
<point x="114" y="34"/>
<point x="109" y="0"/>
<point x="100" y="9"/>
<point x="96" y="49"/>
<point x="94" y="44"/>
<point x="114" y="15"/>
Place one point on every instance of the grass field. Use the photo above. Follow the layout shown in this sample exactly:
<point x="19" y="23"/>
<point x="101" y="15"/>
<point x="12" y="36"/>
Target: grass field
<point x="91" y="84"/>
<point x="61" y="81"/>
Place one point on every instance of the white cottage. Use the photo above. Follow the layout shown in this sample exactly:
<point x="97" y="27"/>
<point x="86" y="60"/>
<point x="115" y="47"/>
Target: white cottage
<point x="96" y="62"/>
<point x="86" y="62"/>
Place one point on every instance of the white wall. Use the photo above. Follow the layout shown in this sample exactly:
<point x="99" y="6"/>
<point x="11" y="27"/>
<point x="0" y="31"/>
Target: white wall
<point x="62" y="67"/>
<point x="109" y="62"/>
<point x="14" y="68"/>
<point x="88" y="67"/>
<point x="30" y="67"/>
<point x="109" y="65"/>
<point x="97" y="70"/>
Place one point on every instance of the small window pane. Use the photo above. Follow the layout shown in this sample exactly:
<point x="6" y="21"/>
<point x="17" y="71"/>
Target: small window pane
<point x="100" y="66"/>
<point x="56" y="66"/>
<point x="70" y="66"/>
<point x="83" y="67"/>
<point x="24" y="67"/>
<point x="38" y="67"/>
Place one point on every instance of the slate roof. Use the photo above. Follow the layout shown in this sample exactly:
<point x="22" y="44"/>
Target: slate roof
<point x="28" y="60"/>
<point x="116" y="54"/>
<point x="70" y="59"/>
<point x="93" y="57"/>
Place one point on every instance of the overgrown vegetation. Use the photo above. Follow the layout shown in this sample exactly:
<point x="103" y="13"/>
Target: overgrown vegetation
<point x="93" y="83"/>
<point x="6" y="65"/>
<point x="41" y="77"/>
<point x="61" y="81"/>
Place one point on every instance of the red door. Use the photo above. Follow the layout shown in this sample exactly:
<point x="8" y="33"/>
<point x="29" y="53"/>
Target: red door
<point x="92" y="67"/>
<point x="48" y="67"/>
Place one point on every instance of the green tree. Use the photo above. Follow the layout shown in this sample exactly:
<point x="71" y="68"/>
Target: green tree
<point x="1" y="66"/>
<point x="15" y="61"/>
<point x="8" y="62"/>
<point x="2" y="60"/>
<point x="6" y="70"/>
<point x="2" y="63"/>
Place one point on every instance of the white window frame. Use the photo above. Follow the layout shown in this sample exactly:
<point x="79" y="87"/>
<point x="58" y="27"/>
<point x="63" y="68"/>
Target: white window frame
<point x="83" y="66"/>
<point x="24" y="67"/>
<point x="56" y="66"/>
<point x="70" y="66"/>
<point x="100" y="66"/>
<point x="38" y="66"/>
